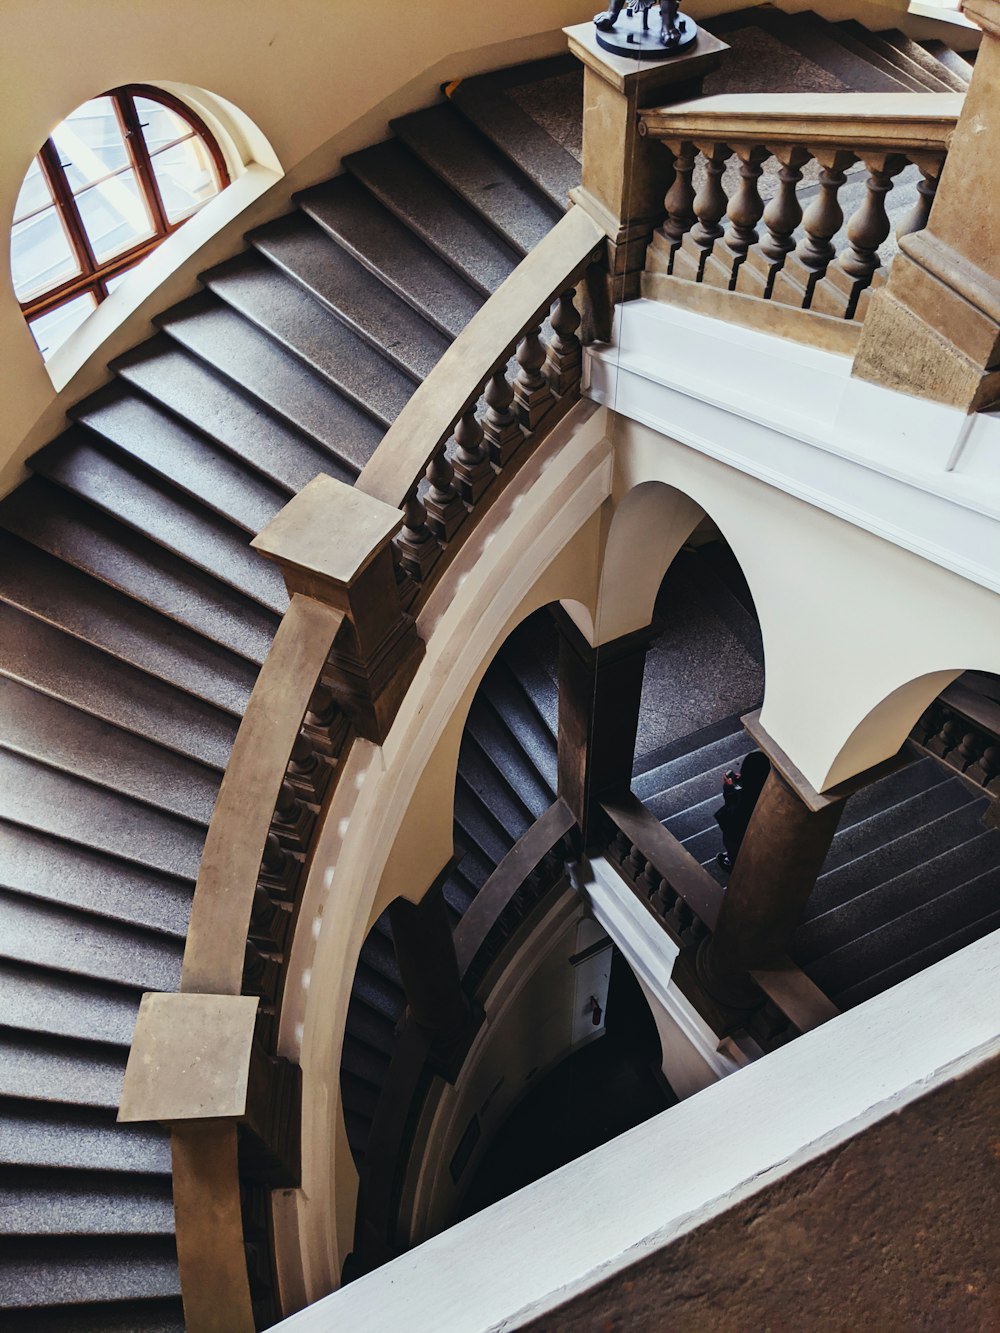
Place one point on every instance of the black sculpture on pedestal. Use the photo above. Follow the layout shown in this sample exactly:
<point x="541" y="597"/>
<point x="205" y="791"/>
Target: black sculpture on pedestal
<point x="676" y="31"/>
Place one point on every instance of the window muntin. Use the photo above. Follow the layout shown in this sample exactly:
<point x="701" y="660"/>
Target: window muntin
<point x="117" y="176"/>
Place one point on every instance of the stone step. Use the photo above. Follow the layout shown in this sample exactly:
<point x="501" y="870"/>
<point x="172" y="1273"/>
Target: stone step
<point x="86" y="678"/>
<point x="81" y="537"/>
<point x="354" y="295"/>
<point x="43" y="935"/>
<point x="78" y="744"/>
<point x="482" y="175"/>
<point x="179" y="524"/>
<point x="279" y="307"/>
<point x="44" y="1203"/>
<point x="880" y="55"/>
<point x="952" y="61"/>
<point x="83" y="608"/>
<point x="80" y="1139"/>
<point x="904" y="54"/>
<point x="52" y="868"/>
<point x="34" y="1000"/>
<point x="46" y="1069"/>
<point x="392" y="252"/>
<point x="187" y="460"/>
<point x="503" y="105"/>
<point x="246" y="357"/>
<point x="254" y="436"/>
<point x="83" y="1271"/>
<point x="426" y="206"/>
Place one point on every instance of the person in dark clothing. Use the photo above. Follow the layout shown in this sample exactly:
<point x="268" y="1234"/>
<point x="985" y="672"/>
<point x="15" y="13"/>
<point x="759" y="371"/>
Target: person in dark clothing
<point x="740" y="792"/>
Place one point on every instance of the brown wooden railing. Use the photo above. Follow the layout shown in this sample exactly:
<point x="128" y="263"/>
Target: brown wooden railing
<point x="685" y="901"/>
<point x="779" y="253"/>
<point x="962" y="727"/>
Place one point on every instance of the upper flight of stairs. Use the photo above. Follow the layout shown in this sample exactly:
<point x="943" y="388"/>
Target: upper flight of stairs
<point x="135" y="618"/>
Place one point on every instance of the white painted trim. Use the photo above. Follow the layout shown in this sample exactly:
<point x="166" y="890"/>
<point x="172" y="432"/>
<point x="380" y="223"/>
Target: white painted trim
<point x="661" y="1180"/>
<point x="944" y="13"/>
<point x="912" y="472"/>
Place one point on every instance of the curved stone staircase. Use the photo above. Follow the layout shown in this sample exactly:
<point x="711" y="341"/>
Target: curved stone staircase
<point x="135" y="618"/>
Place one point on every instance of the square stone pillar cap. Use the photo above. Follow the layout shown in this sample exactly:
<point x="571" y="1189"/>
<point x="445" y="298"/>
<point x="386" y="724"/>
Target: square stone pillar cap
<point x="646" y="78"/>
<point x="190" y="1058"/>
<point x="329" y="529"/>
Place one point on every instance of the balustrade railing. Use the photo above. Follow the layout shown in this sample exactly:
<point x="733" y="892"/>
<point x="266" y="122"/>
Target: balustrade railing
<point x="793" y="249"/>
<point x="962" y="727"/>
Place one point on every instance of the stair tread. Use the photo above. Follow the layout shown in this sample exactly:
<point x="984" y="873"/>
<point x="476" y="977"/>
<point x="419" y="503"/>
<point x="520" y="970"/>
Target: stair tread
<point x="88" y="609"/>
<point x="87" y="678"/>
<point x="42" y="1203"/>
<point x="952" y="61"/>
<point x="868" y="46"/>
<point x="34" y="1000"/>
<point x="182" y="385"/>
<point x="169" y="449"/>
<point x="352" y="293"/>
<point x="55" y="521"/>
<point x="376" y="237"/>
<point x="398" y="178"/>
<point x="892" y="898"/>
<point x="230" y="345"/>
<point x="173" y="520"/>
<point x="938" y="74"/>
<point x="54" y="733"/>
<point x="49" y="936"/>
<point x="484" y="100"/>
<point x="45" y="1069"/>
<point x="63" y="805"/>
<point x="496" y="741"/>
<point x="484" y="177"/>
<point x="78" y="1271"/>
<point x="515" y="712"/>
<point x="81" y="1139"/>
<point x="280" y="308"/>
<point x="50" y="867"/>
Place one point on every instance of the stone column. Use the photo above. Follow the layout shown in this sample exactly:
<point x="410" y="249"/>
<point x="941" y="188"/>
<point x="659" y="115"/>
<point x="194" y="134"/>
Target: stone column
<point x="934" y="329"/>
<point x="626" y="176"/>
<point x="775" y="872"/>
<point x="599" y="694"/>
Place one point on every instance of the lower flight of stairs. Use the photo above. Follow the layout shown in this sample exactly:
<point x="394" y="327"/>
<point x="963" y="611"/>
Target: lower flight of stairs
<point x="135" y="619"/>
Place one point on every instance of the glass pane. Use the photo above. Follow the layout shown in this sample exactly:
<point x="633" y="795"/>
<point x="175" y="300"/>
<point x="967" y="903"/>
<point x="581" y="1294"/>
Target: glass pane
<point x="40" y="254"/>
<point x="53" y="328"/>
<point x="119" y="278"/>
<point x="160" y="125"/>
<point x="90" y="143"/>
<point x="114" y="215"/>
<point x="34" y="194"/>
<point x="186" y="177"/>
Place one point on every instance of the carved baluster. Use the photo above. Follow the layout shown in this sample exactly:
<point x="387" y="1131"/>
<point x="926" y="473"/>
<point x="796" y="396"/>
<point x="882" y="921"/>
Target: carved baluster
<point x="292" y="820"/>
<point x="663" y="900"/>
<point x="744" y="212"/>
<point x="471" y="463"/>
<point x="531" y="389"/>
<point x="445" y="511"/>
<point x="837" y="293"/>
<point x="279" y="870"/>
<point x="418" y="551"/>
<point x="946" y="739"/>
<point x="916" y="218"/>
<point x="967" y="751"/>
<point x="781" y="216"/>
<point x="634" y="864"/>
<point x="710" y="207"/>
<point x="564" y="358"/>
<point x="650" y="880"/>
<point x="268" y="922"/>
<point x="503" y="434"/>
<point x="620" y="847"/>
<point x="986" y="769"/>
<point x="679" y="203"/>
<point x="823" y="219"/>
<point x="680" y="916"/>
<point x="307" y="772"/>
<point x="260" y="974"/>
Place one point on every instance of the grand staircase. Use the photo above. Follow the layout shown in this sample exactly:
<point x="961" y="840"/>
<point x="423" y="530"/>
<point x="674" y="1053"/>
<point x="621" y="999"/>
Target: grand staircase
<point x="135" y="618"/>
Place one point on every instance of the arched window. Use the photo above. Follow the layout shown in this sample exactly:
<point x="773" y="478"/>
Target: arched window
<point x="117" y="176"/>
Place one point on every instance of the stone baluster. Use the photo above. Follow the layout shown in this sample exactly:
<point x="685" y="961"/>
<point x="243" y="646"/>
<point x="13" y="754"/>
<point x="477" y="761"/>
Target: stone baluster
<point x="564" y="357"/>
<point x="268" y="922"/>
<point x="709" y="207"/>
<point x="916" y="218"/>
<point x="946" y="739"/>
<point x="782" y="215"/>
<point x="292" y="820"/>
<point x="743" y="214"/>
<point x="471" y="462"/>
<point x="531" y="389"/>
<point x="445" y="511"/>
<point x="279" y="870"/>
<point x="986" y="769"/>
<point x="663" y="899"/>
<point x="967" y="751"/>
<point x="503" y="434"/>
<point x="324" y="723"/>
<point x="679" y="203"/>
<point x="418" y="551"/>
<point x="635" y="863"/>
<point x="306" y="772"/>
<point x="650" y="880"/>
<point x="823" y="219"/>
<point x="838" y="291"/>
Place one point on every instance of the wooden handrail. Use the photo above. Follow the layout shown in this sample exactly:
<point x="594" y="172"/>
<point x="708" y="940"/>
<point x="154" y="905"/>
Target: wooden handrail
<point x="556" y="263"/>
<point x="904" y="122"/>
<point x="492" y="899"/>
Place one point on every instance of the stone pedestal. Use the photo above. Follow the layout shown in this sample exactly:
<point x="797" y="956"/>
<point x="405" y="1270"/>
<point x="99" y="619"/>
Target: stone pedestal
<point x="625" y="175"/>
